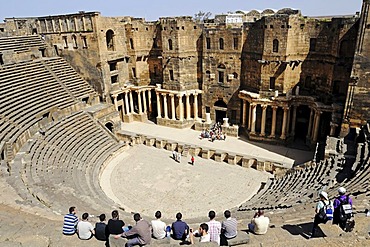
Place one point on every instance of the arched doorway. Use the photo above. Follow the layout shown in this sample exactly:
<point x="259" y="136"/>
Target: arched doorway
<point x="220" y="110"/>
<point x="109" y="126"/>
<point x="109" y="37"/>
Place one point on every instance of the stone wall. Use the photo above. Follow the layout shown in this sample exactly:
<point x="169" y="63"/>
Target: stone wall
<point x="358" y="104"/>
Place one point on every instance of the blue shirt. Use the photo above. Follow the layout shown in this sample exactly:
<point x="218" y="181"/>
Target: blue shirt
<point x="70" y="223"/>
<point x="179" y="228"/>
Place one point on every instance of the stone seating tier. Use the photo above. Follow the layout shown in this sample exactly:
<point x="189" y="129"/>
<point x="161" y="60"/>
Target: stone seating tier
<point x="21" y="43"/>
<point x="63" y="165"/>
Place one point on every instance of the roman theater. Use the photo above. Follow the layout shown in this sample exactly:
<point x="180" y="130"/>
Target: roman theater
<point x="106" y="113"/>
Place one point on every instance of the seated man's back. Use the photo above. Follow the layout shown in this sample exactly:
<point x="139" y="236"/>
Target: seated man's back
<point x="261" y="224"/>
<point x="100" y="229"/>
<point x="179" y="228"/>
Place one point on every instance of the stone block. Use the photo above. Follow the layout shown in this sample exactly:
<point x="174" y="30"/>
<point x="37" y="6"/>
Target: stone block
<point x="330" y="230"/>
<point x="241" y="238"/>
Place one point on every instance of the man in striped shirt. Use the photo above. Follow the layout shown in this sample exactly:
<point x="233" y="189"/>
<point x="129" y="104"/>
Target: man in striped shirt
<point x="229" y="228"/>
<point x="70" y="222"/>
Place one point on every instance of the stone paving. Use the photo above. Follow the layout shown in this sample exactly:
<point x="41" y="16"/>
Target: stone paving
<point x="276" y="153"/>
<point x="145" y="179"/>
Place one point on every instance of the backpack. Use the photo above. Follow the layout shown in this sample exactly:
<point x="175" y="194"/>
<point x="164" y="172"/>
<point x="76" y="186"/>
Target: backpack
<point x="345" y="209"/>
<point x="326" y="212"/>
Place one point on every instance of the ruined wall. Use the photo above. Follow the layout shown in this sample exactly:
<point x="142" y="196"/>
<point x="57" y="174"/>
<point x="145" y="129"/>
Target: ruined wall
<point x="179" y="37"/>
<point x="358" y="96"/>
<point x="221" y="68"/>
<point x="143" y="46"/>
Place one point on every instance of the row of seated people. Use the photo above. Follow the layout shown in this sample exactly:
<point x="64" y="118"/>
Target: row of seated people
<point x="143" y="231"/>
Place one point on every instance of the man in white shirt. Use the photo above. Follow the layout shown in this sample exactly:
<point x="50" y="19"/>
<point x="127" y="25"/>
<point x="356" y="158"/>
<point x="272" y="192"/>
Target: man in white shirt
<point x="85" y="229"/>
<point x="202" y="233"/>
<point x="259" y="224"/>
<point x="158" y="226"/>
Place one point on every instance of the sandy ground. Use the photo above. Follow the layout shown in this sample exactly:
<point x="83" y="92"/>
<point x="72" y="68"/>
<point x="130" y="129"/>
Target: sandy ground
<point x="145" y="179"/>
<point x="275" y="153"/>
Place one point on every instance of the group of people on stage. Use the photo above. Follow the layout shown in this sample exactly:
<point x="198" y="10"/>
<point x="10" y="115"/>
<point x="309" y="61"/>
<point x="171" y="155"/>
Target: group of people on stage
<point x="214" y="133"/>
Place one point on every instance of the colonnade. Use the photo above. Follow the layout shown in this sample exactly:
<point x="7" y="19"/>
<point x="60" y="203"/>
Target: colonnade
<point x="289" y="119"/>
<point x="184" y="112"/>
<point x="127" y="102"/>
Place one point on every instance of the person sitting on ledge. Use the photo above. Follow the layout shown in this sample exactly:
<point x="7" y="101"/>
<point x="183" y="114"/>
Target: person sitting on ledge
<point x="85" y="229"/>
<point x="180" y="229"/>
<point x="140" y="234"/>
<point x="229" y="228"/>
<point x="115" y="225"/>
<point x="259" y="224"/>
<point x="202" y="233"/>
<point x="70" y="222"/>
<point x="214" y="227"/>
<point x="100" y="228"/>
<point x="159" y="227"/>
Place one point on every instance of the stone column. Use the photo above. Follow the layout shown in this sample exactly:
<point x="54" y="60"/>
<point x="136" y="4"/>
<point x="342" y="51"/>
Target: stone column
<point x="196" y="106"/>
<point x="123" y="105"/>
<point x="273" y="127"/>
<point x="126" y="104"/>
<point x="285" y="119"/>
<point x="308" y="136"/>
<point x="188" y="107"/>
<point x="165" y="106"/>
<point x="131" y="103"/>
<point x="115" y="102"/>
<point x="317" y="125"/>
<point x="139" y="102"/>
<point x="263" y="121"/>
<point x="294" y="118"/>
<point x="333" y="127"/>
<point x="253" y="120"/>
<point x="145" y="103"/>
<point x="150" y="100"/>
<point x="250" y="116"/>
<point x="173" y="113"/>
<point x="244" y="112"/>
<point x="159" y="105"/>
<point x="181" y="105"/>
<point x="83" y="23"/>
<point x="288" y="121"/>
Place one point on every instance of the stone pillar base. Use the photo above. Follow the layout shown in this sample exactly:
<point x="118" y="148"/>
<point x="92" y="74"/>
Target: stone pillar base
<point x="175" y="123"/>
<point x="140" y="117"/>
<point x="128" y="118"/>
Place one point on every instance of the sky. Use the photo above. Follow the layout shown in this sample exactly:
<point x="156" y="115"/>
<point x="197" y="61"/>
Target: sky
<point x="153" y="9"/>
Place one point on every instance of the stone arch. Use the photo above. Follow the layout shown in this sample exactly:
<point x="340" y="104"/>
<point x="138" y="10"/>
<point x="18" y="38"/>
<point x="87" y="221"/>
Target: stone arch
<point x="170" y="44"/>
<point x="221" y="43"/>
<point x="109" y="126"/>
<point x="275" y="45"/>
<point x="221" y="68"/>
<point x="109" y="37"/>
<point x="220" y="110"/>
